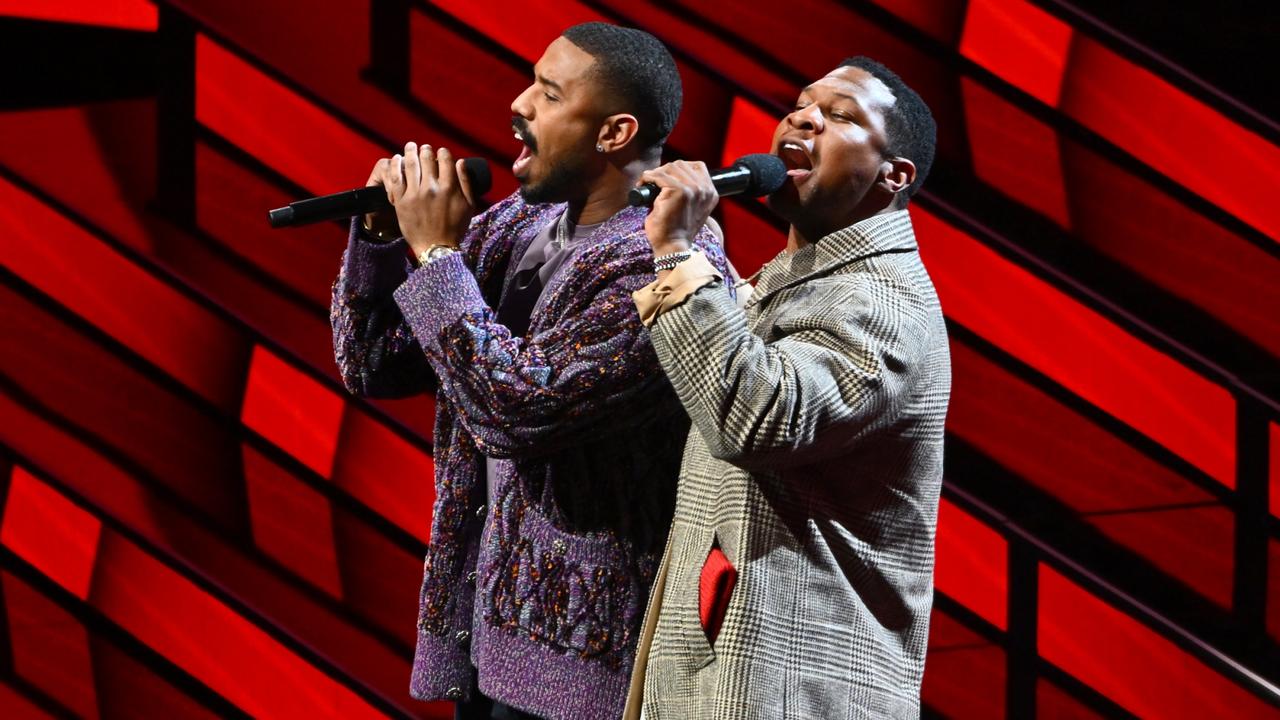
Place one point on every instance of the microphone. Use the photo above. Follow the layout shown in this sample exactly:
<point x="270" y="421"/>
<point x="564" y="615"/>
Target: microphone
<point x="751" y="175"/>
<point x="350" y="203"/>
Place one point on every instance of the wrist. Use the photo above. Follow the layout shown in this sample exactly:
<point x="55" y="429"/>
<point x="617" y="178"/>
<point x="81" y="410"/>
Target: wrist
<point x="419" y="245"/>
<point x="667" y="246"/>
<point x="434" y="253"/>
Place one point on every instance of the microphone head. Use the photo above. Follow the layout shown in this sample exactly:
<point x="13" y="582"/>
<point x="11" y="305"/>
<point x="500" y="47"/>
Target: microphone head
<point x="477" y="169"/>
<point x="768" y="173"/>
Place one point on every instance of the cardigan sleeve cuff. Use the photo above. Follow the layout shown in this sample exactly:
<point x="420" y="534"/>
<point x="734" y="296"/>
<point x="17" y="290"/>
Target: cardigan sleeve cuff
<point x="436" y="295"/>
<point x="373" y="269"/>
<point x="661" y="295"/>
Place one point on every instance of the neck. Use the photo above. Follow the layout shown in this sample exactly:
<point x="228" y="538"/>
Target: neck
<point x="802" y="234"/>
<point x="608" y="194"/>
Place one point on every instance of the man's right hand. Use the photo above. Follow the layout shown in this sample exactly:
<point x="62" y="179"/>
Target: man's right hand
<point x="388" y="173"/>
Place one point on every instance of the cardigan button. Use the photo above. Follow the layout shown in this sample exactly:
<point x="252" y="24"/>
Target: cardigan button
<point x="471" y="577"/>
<point x="453" y="693"/>
<point x="462" y="637"/>
<point x="480" y="511"/>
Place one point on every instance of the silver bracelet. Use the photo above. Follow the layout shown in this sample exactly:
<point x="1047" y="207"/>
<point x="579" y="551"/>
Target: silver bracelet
<point x="669" y="261"/>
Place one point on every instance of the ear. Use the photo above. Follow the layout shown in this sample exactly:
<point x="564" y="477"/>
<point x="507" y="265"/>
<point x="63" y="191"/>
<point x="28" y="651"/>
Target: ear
<point x="896" y="175"/>
<point x="617" y="132"/>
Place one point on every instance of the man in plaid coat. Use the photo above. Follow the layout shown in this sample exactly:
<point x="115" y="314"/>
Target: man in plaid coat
<point x="798" y="576"/>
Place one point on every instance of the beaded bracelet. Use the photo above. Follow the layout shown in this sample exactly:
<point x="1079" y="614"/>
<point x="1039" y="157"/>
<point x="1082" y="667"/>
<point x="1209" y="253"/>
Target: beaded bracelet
<point x="668" y="262"/>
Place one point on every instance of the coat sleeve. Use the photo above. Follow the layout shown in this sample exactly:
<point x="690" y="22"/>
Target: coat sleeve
<point x="836" y="369"/>
<point x="375" y="348"/>
<point x="559" y="387"/>
<point x="376" y="352"/>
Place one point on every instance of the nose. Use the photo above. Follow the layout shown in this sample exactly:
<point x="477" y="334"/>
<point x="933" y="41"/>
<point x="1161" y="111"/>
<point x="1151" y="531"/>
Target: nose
<point x="807" y="118"/>
<point x="521" y="105"/>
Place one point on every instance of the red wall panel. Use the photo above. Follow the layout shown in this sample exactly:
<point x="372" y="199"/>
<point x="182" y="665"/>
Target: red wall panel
<point x="964" y="676"/>
<point x="50" y="532"/>
<point x="124" y="14"/>
<point x="1149" y="118"/>
<point x="271" y="122"/>
<point x="1080" y="349"/>
<point x="1021" y="43"/>
<point x="48" y="646"/>
<point x="1133" y="665"/>
<point x="972" y="565"/>
<point x="292" y="410"/>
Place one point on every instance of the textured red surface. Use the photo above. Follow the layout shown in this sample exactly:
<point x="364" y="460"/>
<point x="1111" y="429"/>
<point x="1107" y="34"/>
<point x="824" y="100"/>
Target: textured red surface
<point x="197" y="518"/>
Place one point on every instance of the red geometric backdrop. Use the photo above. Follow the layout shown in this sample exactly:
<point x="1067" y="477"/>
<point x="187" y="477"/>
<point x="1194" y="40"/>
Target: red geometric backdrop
<point x="196" y="519"/>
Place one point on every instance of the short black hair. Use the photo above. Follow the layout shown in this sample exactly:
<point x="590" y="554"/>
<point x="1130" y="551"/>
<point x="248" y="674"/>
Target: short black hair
<point x="909" y="124"/>
<point x="636" y="68"/>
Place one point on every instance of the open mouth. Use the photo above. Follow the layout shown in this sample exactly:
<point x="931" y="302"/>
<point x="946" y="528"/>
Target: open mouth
<point x="796" y="158"/>
<point x="521" y="164"/>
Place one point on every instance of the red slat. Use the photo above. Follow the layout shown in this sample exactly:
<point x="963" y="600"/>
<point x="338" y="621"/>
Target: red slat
<point x="292" y="522"/>
<point x="526" y="28"/>
<point x="972" y="565"/>
<point x="1128" y="662"/>
<point x="385" y="472"/>
<point x="94" y="281"/>
<point x="124" y="14"/>
<point x="269" y="121"/>
<point x="49" y="647"/>
<point x="1079" y="348"/>
<point x="965" y="673"/>
<point x="50" y="532"/>
<point x="1156" y="122"/>
<point x="1015" y="153"/>
<point x="1021" y="43"/>
<point x="211" y="641"/>
<point x="292" y="410"/>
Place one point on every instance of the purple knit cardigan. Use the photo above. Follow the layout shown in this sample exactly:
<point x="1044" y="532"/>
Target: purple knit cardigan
<point x="540" y="581"/>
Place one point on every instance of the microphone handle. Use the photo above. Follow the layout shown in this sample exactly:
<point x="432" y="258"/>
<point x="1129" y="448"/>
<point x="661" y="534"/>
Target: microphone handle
<point x="733" y="180"/>
<point x="350" y="203"/>
<point x="331" y="207"/>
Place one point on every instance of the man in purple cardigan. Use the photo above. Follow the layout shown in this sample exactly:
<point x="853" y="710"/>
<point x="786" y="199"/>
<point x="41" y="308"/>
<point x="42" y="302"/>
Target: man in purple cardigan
<point x="557" y="438"/>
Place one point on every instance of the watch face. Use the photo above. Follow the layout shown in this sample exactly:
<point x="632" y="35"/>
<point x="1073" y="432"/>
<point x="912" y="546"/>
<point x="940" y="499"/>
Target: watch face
<point x="436" y="253"/>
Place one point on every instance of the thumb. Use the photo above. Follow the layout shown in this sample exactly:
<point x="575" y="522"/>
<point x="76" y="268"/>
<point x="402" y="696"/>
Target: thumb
<point x="464" y="181"/>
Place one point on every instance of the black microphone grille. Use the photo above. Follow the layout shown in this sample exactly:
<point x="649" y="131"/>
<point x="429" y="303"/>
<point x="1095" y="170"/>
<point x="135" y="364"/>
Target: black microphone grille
<point x="768" y="173"/>
<point x="481" y="179"/>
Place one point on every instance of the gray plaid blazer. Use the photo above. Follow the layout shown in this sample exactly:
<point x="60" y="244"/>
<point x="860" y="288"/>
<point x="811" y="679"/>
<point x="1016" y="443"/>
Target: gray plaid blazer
<point x="815" y="461"/>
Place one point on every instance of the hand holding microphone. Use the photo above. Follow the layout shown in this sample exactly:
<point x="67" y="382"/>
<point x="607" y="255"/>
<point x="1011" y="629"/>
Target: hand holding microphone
<point x="684" y="193"/>
<point x="372" y="200"/>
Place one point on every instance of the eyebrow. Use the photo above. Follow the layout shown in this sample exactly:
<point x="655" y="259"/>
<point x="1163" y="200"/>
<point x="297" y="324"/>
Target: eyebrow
<point x="847" y="96"/>
<point x="550" y="83"/>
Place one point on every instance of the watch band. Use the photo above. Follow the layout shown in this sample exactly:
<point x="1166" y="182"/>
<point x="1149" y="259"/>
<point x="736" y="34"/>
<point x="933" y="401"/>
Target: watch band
<point x="434" y="253"/>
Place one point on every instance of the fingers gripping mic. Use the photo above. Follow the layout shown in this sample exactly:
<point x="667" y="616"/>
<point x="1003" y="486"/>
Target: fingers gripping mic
<point x="751" y="175"/>
<point x="350" y="203"/>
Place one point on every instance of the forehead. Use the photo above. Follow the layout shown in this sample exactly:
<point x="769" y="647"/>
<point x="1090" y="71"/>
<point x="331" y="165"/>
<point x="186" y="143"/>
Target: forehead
<point x="564" y="63"/>
<point x="868" y="90"/>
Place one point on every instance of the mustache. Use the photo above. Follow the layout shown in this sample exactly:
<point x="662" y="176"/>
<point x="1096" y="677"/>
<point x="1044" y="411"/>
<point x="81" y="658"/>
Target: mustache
<point x="521" y="126"/>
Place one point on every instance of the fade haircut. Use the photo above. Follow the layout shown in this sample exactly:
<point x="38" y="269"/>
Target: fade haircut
<point x="636" y="69"/>
<point x="909" y="125"/>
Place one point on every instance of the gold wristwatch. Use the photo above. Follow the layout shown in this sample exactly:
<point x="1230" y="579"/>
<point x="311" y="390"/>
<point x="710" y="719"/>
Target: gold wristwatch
<point x="434" y="253"/>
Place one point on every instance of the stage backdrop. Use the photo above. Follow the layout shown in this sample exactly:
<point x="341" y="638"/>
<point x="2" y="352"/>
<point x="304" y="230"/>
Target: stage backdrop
<point x="197" y="520"/>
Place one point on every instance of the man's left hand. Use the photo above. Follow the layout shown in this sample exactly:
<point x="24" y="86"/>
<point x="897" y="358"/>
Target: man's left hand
<point x="682" y="207"/>
<point x="433" y="204"/>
